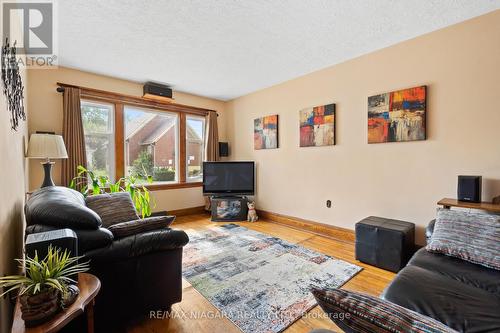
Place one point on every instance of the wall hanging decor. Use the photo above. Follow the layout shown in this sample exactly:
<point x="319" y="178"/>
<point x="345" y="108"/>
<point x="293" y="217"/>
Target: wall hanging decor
<point x="317" y="126"/>
<point x="265" y="133"/>
<point x="12" y="84"/>
<point x="397" y="116"/>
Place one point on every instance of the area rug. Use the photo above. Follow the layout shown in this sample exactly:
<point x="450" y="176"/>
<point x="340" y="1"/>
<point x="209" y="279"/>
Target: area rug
<point x="259" y="282"/>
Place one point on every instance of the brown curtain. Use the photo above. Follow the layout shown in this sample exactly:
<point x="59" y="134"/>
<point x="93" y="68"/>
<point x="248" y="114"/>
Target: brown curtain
<point x="211" y="138"/>
<point x="211" y="144"/>
<point x="72" y="134"/>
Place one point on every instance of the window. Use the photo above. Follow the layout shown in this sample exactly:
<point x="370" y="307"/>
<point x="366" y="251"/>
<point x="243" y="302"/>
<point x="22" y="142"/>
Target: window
<point x="133" y="136"/>
<point x="98" y="129"/>
<point x="151" y="147"/>
<point x="195" y="147"/>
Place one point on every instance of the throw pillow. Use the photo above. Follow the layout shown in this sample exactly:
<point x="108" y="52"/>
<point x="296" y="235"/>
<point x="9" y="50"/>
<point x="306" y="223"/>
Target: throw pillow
<point x="112" y="207"/>
<point x="60" y="207"/>
<point x="124" y="229"/>
<point x="472" y="237"/>
<point x="356" y="312"/>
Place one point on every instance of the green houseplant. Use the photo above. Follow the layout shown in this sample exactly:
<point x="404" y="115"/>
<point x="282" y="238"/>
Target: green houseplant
<point x="47" y="285"/>
<point x="89" y="183"/>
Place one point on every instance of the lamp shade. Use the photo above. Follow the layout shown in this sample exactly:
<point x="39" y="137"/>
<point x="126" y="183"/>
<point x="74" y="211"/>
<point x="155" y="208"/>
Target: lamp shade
<point x="46" y="146"/>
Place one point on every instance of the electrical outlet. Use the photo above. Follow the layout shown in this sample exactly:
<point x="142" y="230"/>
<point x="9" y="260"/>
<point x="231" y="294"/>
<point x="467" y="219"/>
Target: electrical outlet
<point x="329" y="203"/>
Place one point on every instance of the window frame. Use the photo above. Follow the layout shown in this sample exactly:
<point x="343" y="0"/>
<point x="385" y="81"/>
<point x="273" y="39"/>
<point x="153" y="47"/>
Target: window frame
<point x="119" y="101"/>
<point x="204" y="120"/>
<point x="177" y="143"/>
<point x="111" y="128"/>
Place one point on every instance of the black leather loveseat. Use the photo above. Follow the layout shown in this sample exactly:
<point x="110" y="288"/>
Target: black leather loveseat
<point x="462" y="295"/>
<point x="138" y="273"/>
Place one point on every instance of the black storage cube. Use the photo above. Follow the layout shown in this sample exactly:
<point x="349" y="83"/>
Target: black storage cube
<point x="384" y="243"/>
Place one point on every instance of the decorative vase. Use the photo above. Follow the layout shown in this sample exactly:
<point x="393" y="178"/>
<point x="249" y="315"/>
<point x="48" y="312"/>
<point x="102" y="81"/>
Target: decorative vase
<point x="39" y="308"/>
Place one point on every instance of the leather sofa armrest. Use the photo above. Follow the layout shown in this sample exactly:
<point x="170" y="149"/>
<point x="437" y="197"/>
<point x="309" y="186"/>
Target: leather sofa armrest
<point x="429" y="230"/>
<point x="139" y="245"/>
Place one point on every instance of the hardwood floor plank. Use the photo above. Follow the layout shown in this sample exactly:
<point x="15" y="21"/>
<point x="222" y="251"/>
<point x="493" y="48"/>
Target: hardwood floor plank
<point x="370" y="280"/>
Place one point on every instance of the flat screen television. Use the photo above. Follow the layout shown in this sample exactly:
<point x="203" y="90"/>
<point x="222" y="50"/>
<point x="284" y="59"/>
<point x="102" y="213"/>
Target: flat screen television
<point x="228" y="178"/>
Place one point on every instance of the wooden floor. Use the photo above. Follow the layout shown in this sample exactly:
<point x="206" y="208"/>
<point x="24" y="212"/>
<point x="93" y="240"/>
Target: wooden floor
<point x="370" y="280"/>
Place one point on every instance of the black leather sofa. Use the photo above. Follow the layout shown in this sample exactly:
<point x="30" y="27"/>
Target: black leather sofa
<point x="139" y="273"/>
<point x="462" y="295"/>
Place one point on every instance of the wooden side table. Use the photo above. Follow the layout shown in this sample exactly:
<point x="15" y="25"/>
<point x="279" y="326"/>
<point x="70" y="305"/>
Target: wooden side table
<point x="89" y="288"/>
<point x="487" y="206"/>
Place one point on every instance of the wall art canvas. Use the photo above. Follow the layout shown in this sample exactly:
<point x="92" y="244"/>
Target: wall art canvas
<point x="397" y="116"/>
<point x="317" y="126"/>
<point x="265" y="133"/>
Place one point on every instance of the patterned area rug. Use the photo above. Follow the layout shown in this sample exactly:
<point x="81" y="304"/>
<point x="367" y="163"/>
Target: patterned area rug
<point x="259" y="282"/>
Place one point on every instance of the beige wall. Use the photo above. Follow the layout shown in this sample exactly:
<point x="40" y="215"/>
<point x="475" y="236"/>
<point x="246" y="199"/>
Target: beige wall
<point x="13" y="178"/>
<point x="46" y="115"/>
<point x="461" y="67"/>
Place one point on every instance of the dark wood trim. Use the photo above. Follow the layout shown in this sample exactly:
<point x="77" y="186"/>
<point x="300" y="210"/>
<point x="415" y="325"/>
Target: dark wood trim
<point x="112" y="97"/>
<point x="487" y="206"/>
<point x="321" y="229"/>
<point x="182" y="148"/>
<point x="119" y="142"/>
<point x="187" y="211"/>
<point x="172" y="186"/>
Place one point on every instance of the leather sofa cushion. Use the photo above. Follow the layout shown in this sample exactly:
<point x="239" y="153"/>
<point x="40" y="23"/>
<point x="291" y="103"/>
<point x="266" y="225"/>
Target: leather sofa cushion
<point x="469" y="236"/>
<point x="359" y="313"/>
<point x="60" y="207"/>
<point x="124" y="229"/>
<point x="473" y="275"/>
<point x="460" y="306"/>
<point x="113" y="207"/>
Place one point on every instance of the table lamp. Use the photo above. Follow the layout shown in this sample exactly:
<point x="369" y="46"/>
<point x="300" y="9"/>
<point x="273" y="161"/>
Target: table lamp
<point x="46" y="146"/>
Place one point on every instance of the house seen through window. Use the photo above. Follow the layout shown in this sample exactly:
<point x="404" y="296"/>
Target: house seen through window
<point x="151" y="144"/>
<point x="195" y="134"/>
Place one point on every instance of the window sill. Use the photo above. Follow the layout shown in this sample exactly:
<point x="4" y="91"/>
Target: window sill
<point x="172" y="186"/>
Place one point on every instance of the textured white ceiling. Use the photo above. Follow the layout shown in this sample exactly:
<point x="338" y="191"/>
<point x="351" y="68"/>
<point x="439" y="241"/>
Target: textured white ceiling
<point x="227" y="48"/>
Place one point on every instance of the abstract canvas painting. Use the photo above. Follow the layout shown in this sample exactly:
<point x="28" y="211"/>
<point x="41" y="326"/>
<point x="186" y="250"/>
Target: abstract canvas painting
<point x="265" y="133"/>
<point x="397" y="116"/>
<point x="317" y="126"/>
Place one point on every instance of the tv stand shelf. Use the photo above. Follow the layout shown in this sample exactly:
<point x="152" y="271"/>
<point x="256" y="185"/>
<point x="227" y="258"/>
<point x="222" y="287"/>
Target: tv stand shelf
<point x="487" y="206"/>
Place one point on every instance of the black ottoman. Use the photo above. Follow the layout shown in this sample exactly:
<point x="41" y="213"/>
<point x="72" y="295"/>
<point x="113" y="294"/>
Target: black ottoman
<point x="384" y="243"/>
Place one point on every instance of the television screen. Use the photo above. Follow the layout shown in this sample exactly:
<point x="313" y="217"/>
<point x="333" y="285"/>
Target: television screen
<point x="228" y="178"/>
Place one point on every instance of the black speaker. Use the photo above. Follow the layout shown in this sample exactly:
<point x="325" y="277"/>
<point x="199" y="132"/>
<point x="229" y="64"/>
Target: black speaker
<point x="223" y="149"/>
<point x="156" y="89"/>
<point x="469" y="188"/>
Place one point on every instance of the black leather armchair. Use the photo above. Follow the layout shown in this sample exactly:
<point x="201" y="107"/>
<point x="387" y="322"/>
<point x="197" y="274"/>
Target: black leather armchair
<point x="139" y="273"/>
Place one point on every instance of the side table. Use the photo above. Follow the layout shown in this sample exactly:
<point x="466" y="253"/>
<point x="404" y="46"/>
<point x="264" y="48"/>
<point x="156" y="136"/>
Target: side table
<point x="89" y="286"/>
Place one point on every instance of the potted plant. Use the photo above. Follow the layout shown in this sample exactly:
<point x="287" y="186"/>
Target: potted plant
<point x="47" y="285"/>
<point x="91" y="184"/>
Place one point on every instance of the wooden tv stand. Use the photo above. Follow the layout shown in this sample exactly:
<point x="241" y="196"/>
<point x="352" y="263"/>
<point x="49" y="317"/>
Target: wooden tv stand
<point x="487" y="206"/>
